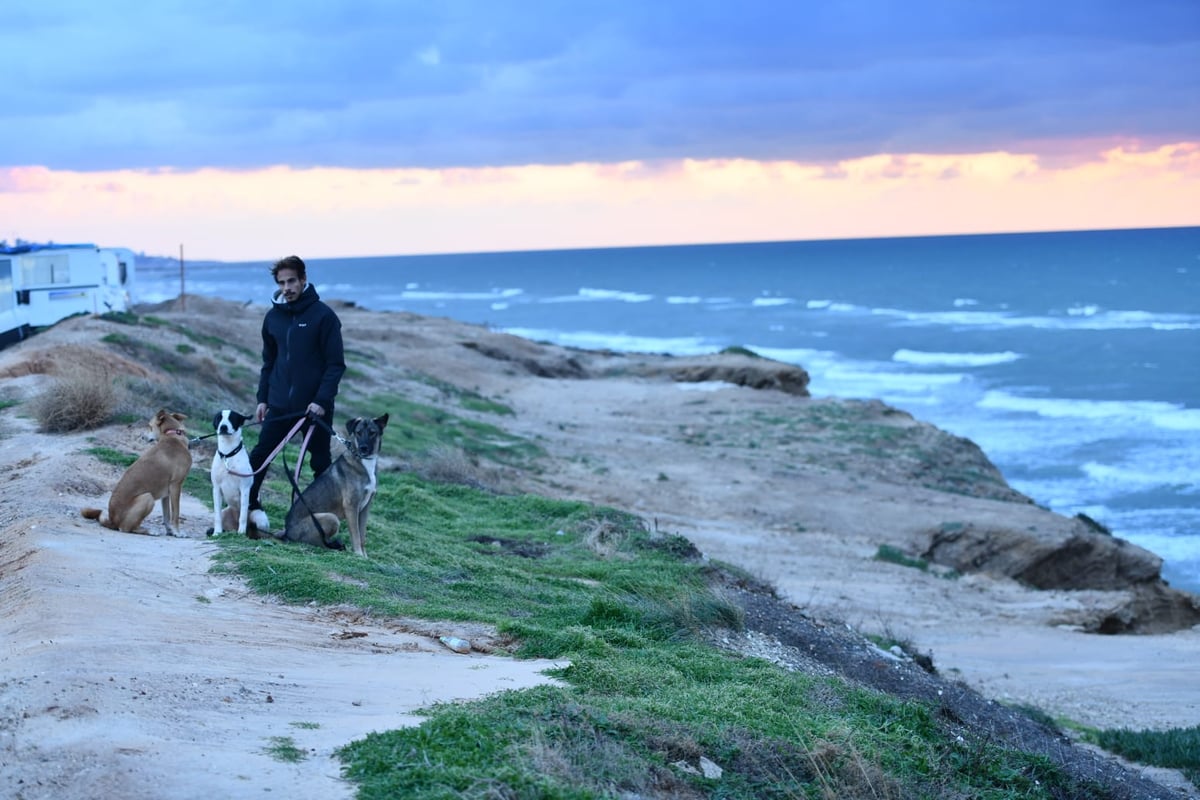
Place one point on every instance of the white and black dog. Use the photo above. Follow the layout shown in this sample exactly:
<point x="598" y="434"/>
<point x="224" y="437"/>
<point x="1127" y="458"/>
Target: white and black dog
<point x="231" y="478"/>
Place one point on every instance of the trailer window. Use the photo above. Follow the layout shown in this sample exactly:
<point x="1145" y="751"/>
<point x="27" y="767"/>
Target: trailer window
<point x="7" y="300"/>
<point x="46" y="270"/>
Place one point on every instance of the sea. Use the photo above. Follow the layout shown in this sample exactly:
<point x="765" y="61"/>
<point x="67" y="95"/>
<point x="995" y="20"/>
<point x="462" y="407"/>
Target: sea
<point x="1071" y="358"/>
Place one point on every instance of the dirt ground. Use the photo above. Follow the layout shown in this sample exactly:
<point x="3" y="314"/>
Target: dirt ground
<point x="129" y="671"/>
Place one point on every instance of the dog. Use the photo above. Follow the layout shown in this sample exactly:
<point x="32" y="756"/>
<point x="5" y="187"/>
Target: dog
<point x="157" y="475"/>
<point x="231" y="478"/>
<point x="344" y="491"/>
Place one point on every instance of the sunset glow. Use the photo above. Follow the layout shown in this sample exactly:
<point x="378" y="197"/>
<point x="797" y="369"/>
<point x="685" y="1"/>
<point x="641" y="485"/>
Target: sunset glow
<point x="323" y="212"/>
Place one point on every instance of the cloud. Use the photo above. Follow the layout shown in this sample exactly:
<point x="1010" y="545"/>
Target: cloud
<point x="261" y="213"/>
<point x="471" y="83"/>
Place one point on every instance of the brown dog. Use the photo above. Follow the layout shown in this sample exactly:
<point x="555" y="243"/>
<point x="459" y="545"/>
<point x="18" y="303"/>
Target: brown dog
<point x="158" y="474"/>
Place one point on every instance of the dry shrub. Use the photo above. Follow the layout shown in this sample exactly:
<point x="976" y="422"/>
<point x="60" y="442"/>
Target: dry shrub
<point x="79" y="398"/>
<point x="63" y="359"/>
<point x="603" y="537"/>
<point x="449" y="465"/>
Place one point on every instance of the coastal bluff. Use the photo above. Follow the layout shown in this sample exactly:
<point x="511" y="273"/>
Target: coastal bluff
<point x="857" y="513"/>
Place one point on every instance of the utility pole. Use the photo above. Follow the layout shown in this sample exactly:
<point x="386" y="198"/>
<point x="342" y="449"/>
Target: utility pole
<point x="182" y="300"/>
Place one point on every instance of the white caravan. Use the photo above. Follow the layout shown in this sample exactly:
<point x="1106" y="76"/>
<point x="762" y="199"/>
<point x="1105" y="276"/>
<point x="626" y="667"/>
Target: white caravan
<point x="42" y="284"/>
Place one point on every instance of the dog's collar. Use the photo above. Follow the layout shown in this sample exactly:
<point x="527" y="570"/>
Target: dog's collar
<point x="232" y="452"/>
<point x="174" y="432"/>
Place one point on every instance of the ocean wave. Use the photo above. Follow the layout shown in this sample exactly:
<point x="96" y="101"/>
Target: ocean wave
<point x="426" y="295"/>
<point x="954" y="359"/>
<point x="769" y="302"/>
<point x="1168" y="416"/>
<point x="622" y="343"/>
<point x="588" y="295"/>
<point x="1077" y="319"/>
<point x="1139" y="474"/>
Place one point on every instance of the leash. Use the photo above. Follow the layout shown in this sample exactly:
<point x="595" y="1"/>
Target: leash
<point x="298" y="495"/>
<point x="198" y="439"/>
<point x="278" y="448"/>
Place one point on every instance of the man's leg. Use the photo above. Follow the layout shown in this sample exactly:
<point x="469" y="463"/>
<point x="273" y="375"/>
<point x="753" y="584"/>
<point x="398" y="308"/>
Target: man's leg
<point x="318" y="448"/>
<point x="270" y="435"/>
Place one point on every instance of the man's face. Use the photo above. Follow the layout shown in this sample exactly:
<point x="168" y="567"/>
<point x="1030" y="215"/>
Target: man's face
<point x="290" y="284"/>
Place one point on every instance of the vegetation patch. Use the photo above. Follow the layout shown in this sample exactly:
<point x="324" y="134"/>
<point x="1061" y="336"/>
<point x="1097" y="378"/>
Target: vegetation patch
<point x="1177" y="748"/>
<point x="894" y="555"/>
<point x="643" y="704"/>
<point x="415" y="428"/>
<point x="78" y="400"/>
<point x="283" y="748"/>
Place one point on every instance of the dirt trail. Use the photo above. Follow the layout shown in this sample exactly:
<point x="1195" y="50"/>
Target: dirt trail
<point x="130" y="671"/>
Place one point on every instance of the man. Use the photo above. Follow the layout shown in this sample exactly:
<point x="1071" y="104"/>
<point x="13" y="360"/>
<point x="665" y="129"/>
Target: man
<point x="303" y="363"/>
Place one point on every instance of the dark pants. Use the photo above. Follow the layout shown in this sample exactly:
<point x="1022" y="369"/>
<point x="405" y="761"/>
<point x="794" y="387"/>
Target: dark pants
<point x="271" y="434"/>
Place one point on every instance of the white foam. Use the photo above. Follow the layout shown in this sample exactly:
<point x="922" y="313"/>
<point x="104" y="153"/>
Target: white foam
<point x="1168" y="416"/>
<point x="594" y="340"/>
<point x="767" y="302"/>
<point x="494" y="294"/>
<point x="925" y="359"/>
<point x="1077" y="318"/>
<point x="703" y="386"/>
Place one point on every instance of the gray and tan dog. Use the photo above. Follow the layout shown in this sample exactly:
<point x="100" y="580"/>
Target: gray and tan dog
<point x="344" y="491"/>
<point x="158" y="474"/>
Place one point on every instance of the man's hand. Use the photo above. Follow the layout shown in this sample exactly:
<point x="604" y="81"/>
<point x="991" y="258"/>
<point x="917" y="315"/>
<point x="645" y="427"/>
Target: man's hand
<point x="260" y="413"/>
<point x="315" y="410"/>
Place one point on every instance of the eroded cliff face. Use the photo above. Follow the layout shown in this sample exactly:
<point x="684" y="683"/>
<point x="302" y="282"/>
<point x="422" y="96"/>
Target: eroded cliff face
<point x="1073" y="556"/>
<point x="872" y="441"/>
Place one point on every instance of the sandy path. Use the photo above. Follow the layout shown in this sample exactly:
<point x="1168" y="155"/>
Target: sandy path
<point x="129" y="671"/>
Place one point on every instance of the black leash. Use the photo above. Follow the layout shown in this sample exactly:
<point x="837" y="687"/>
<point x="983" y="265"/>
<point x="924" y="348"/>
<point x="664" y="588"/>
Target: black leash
<point x="298" y="495"/>
<point x="196" y="439"/>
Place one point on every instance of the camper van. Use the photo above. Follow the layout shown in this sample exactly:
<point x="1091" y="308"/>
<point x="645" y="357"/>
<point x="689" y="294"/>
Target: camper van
<point x="42" y="284"/>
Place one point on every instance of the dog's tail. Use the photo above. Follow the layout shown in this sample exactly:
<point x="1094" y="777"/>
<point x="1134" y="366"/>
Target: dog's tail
<point x="98" y="515"/>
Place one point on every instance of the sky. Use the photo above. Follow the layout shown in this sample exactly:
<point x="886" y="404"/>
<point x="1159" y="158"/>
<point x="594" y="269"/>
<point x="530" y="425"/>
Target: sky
<point x="238" y="130"/>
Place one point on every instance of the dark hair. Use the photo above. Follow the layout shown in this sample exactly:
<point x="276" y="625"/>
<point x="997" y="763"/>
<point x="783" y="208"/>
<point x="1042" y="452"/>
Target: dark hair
<point x="291" y="262"/>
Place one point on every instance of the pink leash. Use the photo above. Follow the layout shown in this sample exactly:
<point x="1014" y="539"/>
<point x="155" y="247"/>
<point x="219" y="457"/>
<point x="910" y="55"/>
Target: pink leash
<point x="282" y="444"/>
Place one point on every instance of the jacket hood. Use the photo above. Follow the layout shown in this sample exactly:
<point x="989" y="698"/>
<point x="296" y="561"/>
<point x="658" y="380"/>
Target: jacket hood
<point x="306" y="299"/>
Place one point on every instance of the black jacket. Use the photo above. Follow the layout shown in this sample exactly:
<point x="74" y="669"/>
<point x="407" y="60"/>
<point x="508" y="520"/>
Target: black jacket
<point x="303" y="360"/>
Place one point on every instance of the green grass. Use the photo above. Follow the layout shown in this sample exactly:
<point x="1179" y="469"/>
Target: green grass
<point x="623" y="608"/>
<point x="1178" y="748"/>
<point x="894" y="555"/>
<point x="739" y="350"/>
<point x="419" y="428"/>
<point x="283" y="748"/>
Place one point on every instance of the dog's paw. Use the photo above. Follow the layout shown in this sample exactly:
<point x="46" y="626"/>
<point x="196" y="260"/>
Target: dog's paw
<point x="258" y="518"/>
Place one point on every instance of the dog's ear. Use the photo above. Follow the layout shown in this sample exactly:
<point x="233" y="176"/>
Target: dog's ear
<point x="217" y="418"/>
<point x="382" y="421"/>
<point x="237" y="419"/>
<point x="351" y="424"/>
